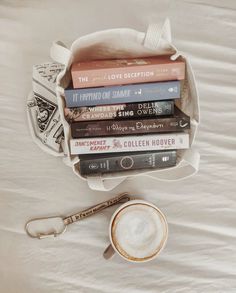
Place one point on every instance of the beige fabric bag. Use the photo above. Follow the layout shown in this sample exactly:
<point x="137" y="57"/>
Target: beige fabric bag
<point x="126" y="43"/>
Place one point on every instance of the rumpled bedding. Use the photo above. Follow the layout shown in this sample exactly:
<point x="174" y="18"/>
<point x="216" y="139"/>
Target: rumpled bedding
<point x="200" y="255"/>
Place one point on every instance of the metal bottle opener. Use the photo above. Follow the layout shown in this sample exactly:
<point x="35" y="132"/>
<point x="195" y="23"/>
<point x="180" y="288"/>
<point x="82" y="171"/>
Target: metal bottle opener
<point x="65" y="221"/>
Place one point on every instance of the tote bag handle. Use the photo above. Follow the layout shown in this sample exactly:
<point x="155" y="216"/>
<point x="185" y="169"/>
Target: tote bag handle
<point x="98" y="183"/>
<point x="155" y="32"/>
<point x="60" y="53"/>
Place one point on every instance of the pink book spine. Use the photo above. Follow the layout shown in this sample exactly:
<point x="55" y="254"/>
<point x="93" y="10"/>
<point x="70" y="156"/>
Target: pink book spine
<point x="117" y="76"/>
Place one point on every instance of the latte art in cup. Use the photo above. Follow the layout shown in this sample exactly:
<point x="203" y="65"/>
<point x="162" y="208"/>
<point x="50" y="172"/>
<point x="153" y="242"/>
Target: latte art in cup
<point x="139" y="231"/>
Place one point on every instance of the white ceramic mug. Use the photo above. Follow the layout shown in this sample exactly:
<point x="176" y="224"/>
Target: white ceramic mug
<point x="138" y="232"/>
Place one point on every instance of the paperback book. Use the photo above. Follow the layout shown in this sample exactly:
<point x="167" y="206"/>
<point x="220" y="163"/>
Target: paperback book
<point x="108" y="163"/>
<point x="177" y="122"/>
<point x="131" y="93"/>
<point x="120" y="111"/>
<point x="125" y="71"/>
<point x="167" y="141"/>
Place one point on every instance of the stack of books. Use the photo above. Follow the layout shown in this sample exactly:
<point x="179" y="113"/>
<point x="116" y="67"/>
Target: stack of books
<point x="123" y="116"/>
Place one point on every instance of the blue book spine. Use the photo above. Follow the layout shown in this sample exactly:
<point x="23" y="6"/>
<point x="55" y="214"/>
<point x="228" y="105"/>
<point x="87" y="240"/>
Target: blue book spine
<point x="131" y="93"/>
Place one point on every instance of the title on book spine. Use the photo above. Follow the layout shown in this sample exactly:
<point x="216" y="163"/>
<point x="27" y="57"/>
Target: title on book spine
<point x="120" y="111"/>
<point x="129" y="143"/>
<point x="133" y="71"/>
<point x="128" y="127"/>
<point x="120" y="94"/>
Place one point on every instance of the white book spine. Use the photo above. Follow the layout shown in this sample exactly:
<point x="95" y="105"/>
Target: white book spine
<point x="98" y="145"/>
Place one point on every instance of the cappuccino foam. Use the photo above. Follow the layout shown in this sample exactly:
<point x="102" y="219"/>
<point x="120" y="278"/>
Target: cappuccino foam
<point x="139" y="232"/>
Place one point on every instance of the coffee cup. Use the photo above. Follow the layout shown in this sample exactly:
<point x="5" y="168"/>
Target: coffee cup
<point x="138" y="232"/>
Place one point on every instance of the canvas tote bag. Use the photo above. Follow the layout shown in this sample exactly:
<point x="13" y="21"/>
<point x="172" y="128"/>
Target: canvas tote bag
<point x="48" y="92"/>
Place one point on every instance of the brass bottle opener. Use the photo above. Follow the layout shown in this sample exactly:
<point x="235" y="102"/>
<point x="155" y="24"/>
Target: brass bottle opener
<point x="65" y="221"/>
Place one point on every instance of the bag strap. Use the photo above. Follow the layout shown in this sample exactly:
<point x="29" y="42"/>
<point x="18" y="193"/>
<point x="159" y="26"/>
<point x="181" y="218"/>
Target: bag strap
<point x="60" y="53"/>
<point x="98" y="183"/>
<point x="155" y="33"/>
<point x="188" y="167"/>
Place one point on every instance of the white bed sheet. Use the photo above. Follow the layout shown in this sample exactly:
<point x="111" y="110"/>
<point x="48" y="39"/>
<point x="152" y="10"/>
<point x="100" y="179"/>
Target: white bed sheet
<point x="201" y="252"/>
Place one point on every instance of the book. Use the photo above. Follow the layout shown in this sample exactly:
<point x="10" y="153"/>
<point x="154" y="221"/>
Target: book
<point x="177" y="122"/>
<point x="120" y="111"/>
<point x="167" y="141"/>
<point x="108" y="163"/>
<point x="131" y="93"/>
<point x="125" y="71"/>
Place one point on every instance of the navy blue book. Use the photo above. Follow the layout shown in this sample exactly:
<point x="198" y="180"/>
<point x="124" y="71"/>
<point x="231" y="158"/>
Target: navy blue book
<point x="152" y="91"/>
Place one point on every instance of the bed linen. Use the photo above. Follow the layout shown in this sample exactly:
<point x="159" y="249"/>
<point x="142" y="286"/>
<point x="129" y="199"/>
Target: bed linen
<point x="200" y="255"/>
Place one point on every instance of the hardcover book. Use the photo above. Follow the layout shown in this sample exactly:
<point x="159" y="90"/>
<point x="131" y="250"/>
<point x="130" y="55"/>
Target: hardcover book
<point x="108" y="163"/>
<point x="120" y="111"/>
<point x="177" y="122"/>
<point x="123" y="93"/>
<point x="167" y="141"/>
<point x="124" y="71"/>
